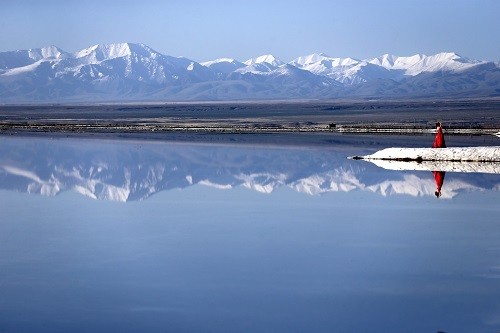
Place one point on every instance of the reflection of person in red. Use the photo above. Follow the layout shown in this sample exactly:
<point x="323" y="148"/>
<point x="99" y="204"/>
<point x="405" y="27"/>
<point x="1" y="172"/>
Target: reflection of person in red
<point x="439" y="178"/>
<point x="439" y="140"/>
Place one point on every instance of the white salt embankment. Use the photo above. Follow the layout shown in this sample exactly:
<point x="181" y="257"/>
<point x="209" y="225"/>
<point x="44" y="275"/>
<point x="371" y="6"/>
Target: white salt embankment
<point x="467" y="167"/>
<point x="456" y="159"/>
<point x="455" y="154"/>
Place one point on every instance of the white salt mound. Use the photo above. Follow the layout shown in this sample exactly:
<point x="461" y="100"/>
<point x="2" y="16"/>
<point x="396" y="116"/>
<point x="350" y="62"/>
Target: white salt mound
<point x="455" y="154"/>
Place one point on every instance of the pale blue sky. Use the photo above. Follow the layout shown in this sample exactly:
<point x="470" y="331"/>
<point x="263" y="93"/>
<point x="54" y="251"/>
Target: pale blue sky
<point x="205" y="30"/>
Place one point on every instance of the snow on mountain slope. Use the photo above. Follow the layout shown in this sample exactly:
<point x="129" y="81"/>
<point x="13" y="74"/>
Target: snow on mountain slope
<point x="140" y="62"/>
<point x="309" y="59"/>
<point x="52" y="52"/>
<point x="224" y="65"/>
<point x="345" y="70"/>
<point x="351" y="71"/>
<point x="385" y="60"/>
<point x="282" y="73"/>
<point x="22" y="58"/>
<point x="110" y="70"/>
<point x="25" y="69"/>
<point x="285" y="81"/>
<point x="102" y="52"/>
<point x="290" y="74"/>
<point x="480" y="80"/>
<point x="257" y="68"/>
<point x="97" y="53"/>
<point x="321" y="59"/>
<point x="360" y="73"/>
<point x="267" y="58"/>
<point x="419" y="63"/>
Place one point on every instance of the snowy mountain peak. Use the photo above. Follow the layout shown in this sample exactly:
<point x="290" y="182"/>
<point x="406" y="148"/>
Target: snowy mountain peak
<point x="216" y="61"/>
<point x="223" y="65"/>
<point x="313" y="61"/>
<point x="101" y="52"/>
<point x="345" y="62"/>
<point x="52" y="52"/>
<point x="453" y="58"/>
<point x="23" y="58"/>
<point x="418" y="63"/>
<point x="267" y="58"/>
<point x="448" y="55"/>
<point x="287" y="69"/>
<point x="309" y="59"/>
<point x="385" y="60"/>
<point x="220" y="60"/>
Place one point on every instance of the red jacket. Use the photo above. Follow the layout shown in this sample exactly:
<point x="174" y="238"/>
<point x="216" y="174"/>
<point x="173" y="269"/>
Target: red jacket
<point x="439" y="140"/>
<point x="439" y="178"/>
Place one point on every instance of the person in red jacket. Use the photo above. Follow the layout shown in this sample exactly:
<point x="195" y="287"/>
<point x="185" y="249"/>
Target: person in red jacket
<point x="439" y="178"/>
<point x="439" y="140"/>
<point x="439" y="143"/>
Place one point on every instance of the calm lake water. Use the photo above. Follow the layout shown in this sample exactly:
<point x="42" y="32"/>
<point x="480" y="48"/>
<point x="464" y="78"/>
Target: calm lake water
<point x="136" y="236"/>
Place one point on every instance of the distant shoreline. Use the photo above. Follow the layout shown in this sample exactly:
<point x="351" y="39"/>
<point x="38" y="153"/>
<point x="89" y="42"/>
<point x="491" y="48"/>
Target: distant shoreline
<point x="397" y="129"/>
<point x="406" y="117"/>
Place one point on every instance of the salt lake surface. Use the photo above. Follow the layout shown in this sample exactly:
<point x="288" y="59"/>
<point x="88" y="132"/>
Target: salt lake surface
<point x="128" y="236"/>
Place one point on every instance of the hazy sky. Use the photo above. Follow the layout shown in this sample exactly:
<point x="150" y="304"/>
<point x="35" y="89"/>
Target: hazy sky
<point x="205" y="30"/>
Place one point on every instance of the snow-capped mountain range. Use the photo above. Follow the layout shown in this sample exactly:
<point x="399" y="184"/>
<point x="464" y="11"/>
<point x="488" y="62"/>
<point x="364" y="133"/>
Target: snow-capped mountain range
<point x="127" y="71"/>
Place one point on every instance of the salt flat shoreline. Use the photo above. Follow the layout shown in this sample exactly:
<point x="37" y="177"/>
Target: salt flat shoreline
<point x="468" y="117"/>
<point x="396" y="129"/>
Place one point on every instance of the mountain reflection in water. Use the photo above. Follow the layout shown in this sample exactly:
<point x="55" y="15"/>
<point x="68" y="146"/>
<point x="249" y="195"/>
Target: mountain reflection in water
<point x="343" y="255"/>
<point x="128" y="170"/>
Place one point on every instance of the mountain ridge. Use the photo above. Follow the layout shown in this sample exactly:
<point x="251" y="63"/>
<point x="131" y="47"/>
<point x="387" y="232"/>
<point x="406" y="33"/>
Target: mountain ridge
<point x="134" y="71"/>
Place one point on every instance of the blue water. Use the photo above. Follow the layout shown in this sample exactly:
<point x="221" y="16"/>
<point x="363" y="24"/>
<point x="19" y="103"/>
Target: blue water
<point x="124" y="236"/>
